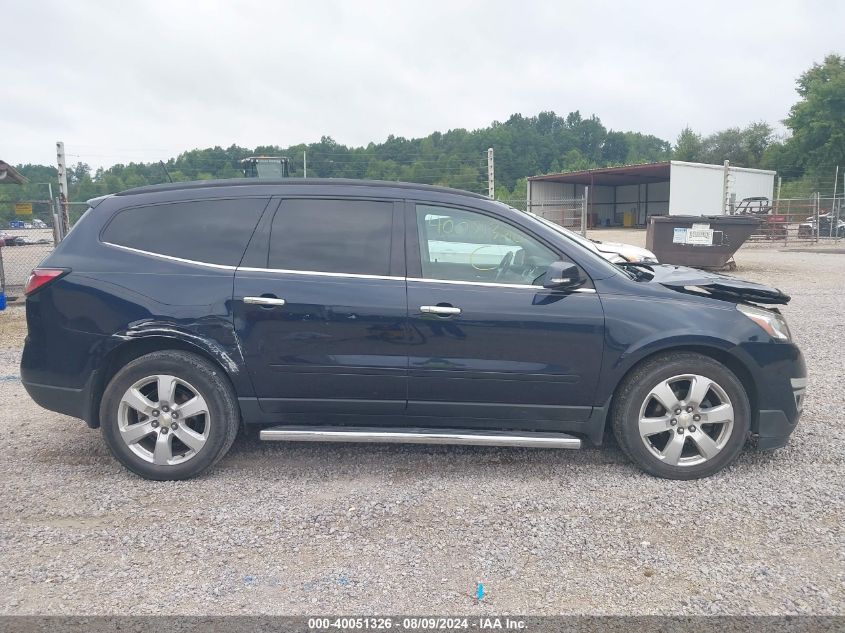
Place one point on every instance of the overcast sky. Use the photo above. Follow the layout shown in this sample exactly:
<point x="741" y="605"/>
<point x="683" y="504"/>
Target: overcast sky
<point x="121" y="81"/>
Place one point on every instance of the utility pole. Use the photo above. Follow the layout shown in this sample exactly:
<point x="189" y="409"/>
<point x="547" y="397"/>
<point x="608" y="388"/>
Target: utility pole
<point x="63" y="193"/>
<point x="834" y="217"/>
<point x="584" y="211"/>
<point x="491" y="178"/>
<point x="777" y="197"/>
<point x="54" y="213"/>
<point x="304" y="164"/>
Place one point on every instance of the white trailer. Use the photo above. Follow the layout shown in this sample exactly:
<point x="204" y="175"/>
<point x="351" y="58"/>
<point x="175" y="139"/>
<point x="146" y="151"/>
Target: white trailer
<point x="629" y="195"/>
<point x="698" y="189"/>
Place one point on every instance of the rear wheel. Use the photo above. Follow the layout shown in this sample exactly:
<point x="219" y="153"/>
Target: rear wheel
<point x="681" y="416"/>
<point x="169" y="415"/>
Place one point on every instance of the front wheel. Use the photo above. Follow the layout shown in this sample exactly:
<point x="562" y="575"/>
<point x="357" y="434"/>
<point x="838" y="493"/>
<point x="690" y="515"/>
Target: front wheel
<point x="169" y="415"/>
<point x="681" y="415"/>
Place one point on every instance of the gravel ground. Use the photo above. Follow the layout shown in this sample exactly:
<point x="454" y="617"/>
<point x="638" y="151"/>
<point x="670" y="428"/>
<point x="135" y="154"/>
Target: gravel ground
<point x="310" y="528"/>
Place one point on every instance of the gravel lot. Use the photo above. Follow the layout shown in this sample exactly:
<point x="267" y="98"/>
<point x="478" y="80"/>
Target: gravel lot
<point x="310" y="528"/>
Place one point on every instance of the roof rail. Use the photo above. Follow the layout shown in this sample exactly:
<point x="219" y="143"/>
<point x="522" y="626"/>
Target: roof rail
<point x="292" y="182"/>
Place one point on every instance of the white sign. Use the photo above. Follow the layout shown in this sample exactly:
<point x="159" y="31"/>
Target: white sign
<point x="679" y="236"/>
<point x="697" y="225"/>
<point x="703" y="237"/>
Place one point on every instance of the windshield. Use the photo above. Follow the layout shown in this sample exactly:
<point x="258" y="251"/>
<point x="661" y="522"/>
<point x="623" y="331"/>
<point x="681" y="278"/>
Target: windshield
<point x="572" y="235"/>
<point x="579" y="240"/>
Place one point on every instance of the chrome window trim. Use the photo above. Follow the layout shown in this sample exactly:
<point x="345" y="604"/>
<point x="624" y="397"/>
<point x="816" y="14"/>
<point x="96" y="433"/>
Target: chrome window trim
<point x="318" y="273"/>
<point x="491" y="284"/>
<point x="285" y="271"/>
<point x="171" y="257"/>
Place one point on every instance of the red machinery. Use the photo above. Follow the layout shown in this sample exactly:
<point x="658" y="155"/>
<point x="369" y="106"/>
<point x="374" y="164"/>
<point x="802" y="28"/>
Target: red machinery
<point x="772" y="226"/>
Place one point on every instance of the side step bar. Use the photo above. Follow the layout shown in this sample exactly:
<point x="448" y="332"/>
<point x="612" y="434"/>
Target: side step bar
<point x="385" y="435"/>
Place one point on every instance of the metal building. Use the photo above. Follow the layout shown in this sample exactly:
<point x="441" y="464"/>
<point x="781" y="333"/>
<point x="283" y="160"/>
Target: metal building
<point x="627" y="196"/>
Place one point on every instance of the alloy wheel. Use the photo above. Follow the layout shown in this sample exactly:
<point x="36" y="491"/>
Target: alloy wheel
<point x="164" y="420"/>
<point x="686" y="420"/>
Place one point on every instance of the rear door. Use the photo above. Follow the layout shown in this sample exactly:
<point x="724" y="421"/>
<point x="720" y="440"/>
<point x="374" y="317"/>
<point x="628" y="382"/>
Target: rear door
<point x="321" y="314"/>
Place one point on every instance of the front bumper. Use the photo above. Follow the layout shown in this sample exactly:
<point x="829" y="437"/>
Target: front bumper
<point x="776" y="423"/>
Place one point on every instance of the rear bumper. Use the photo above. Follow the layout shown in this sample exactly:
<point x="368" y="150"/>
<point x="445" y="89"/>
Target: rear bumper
<point x="65" y="400"/>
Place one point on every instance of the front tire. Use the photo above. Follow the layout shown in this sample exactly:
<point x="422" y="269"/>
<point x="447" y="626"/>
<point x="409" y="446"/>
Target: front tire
<point x="681" y="415"/>
<point x="169" y="415"/>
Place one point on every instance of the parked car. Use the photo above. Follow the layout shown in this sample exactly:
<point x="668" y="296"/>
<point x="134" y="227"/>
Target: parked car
<point x="826" y="222"/>
<point x="334" y="310"/>
<point x="615" y="252"/>
<point x="39" y="224"/>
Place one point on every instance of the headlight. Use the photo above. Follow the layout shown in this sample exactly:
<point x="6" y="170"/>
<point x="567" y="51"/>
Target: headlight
<point x="774" y="323"/>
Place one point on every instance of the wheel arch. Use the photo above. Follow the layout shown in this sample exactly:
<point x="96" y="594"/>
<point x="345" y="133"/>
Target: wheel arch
<point x="127" y="351"/>
<point x="736" y="365"/>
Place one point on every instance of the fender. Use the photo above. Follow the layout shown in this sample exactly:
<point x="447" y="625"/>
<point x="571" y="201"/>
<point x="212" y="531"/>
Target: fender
<point x="617" y="365"/>
<point x="211" y="336"/>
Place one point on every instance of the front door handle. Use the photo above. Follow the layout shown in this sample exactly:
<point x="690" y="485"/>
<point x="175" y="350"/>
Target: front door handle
<point x="264" y="301"/>
<point x="441" y="310"/>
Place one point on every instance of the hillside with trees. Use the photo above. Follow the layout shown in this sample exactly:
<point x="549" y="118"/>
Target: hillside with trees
<point x="524" y="146"/>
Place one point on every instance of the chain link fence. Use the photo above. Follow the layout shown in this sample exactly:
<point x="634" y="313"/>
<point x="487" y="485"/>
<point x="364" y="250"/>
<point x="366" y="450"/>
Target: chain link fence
<point x="800" y="220"/>
<point x="816" y="219"/>
<point x="25" y="241"/>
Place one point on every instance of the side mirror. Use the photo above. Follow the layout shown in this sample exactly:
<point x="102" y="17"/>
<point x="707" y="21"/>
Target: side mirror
<point x="562" y="276"/>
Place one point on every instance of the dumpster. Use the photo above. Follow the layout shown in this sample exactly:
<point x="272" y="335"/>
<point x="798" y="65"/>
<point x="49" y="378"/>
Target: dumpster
<point x="700" y="241"/>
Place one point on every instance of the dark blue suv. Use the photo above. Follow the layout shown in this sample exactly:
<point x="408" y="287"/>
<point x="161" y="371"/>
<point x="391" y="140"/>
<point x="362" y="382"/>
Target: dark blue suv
<point x="360" y="311"/>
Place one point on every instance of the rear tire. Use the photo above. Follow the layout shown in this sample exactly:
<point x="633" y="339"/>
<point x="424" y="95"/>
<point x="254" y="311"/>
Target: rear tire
<point x="681" y="415"/>
<point x="169" y="415"/>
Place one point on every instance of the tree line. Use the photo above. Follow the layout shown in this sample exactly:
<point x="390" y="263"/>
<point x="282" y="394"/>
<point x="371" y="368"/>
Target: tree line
<point x="524" y="146"/>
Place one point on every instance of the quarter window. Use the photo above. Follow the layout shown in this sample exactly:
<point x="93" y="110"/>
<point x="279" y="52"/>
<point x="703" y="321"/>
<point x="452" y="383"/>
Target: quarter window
<point x="336" y="236"/>
<point x="213" y="231"/>
<point x="459" y="245"/>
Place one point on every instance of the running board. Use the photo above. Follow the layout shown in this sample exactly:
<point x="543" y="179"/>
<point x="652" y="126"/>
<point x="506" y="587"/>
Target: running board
<point x="386" y="435"/>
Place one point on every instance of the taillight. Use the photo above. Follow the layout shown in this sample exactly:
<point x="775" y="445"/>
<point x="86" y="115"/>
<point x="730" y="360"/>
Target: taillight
<point x="40" y="277"/>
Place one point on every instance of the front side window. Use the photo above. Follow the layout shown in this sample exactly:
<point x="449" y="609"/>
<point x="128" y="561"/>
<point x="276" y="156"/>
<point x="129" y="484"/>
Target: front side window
<point x="210" y="231"/>
<point x="335" y="236"/>
<point x="460" y="245"/>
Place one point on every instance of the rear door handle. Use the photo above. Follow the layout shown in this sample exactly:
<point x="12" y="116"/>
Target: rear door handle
<point x="265" y="301"/>
<point x="441" y="310"/>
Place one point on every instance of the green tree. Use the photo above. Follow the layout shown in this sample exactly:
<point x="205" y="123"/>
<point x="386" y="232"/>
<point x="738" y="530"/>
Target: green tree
<point x="524" y="146"/>
<point x="615" y="149"/>
<point x="817" y="121"/>
<point x="689" y="146"/>
<point x="743" y="147"/>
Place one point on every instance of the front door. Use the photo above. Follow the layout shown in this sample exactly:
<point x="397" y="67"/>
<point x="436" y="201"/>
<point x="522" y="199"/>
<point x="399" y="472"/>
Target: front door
<point x="487" y="340"/>
<point x="323" y="325"/>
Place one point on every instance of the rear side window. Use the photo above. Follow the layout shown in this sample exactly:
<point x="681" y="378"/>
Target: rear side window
<point x="336" y="236"/>
<point x="212" y="231"/>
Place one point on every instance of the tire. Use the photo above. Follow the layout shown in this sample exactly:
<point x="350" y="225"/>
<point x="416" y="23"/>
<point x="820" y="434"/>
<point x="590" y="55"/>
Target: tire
<point x="177" y="437"/>
<point x="695" y="443"/>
